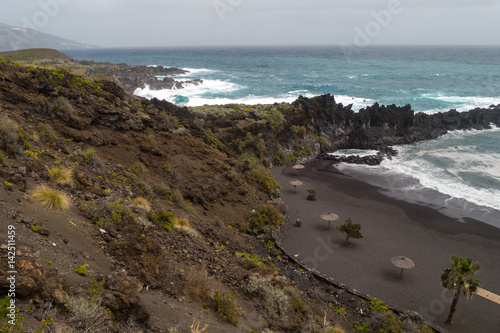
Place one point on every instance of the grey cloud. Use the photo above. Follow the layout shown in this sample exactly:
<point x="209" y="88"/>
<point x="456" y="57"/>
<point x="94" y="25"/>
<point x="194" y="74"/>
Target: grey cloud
<point x="196" y="22"/>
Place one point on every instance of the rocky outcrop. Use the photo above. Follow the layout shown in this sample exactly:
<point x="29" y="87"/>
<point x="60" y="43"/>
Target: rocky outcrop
<point x="380" y="125"/>
<point x="384" y="152"/>
<point x="132" y="77"/>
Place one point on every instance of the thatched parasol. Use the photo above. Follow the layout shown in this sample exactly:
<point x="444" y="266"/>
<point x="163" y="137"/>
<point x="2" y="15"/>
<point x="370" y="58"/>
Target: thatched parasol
<point x="329" y="217"/>
<point x="403" y="263"/>
<point x="298" y="167"/>
<point x="296" y="183"/>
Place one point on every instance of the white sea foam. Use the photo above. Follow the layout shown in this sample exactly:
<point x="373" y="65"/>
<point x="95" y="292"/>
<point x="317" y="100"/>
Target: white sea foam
<point x="354" y="152"/>
<point x="357" y="102"/>
<point x="465" y="172"/>
<point x="461" y="103"/>
<point x="198" y="71"/>
<point x="190" y="91"/>
<point x="444" y="181"/>
<point x="458" y="173"/>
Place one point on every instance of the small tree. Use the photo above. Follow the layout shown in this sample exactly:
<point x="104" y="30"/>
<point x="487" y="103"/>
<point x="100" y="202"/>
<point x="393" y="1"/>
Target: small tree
<point x="458" y="277"/>
<point x="350" y="230"/>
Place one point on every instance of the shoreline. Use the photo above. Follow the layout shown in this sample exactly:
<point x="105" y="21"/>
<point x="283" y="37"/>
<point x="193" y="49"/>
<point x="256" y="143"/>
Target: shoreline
<point x="427" y="215"/>
<point x="391" y="227"/>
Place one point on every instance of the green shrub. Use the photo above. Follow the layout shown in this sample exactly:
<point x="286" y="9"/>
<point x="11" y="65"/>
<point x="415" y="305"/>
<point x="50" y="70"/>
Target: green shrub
<point x="263" y="220"/>
<point x="211" y="140"/>
<point x="150" y="137"/>
<point x="50" y="198"/>
<point x="145" y="187"/>
<point x="319" y="139"/>
<point x="103" y="212"/>
<point x="176" y="197"/>
<point x="225" y="306"/>
<point x="279" y="157"/>
<point x="8" y="135"/>
<point x="312" y="195"/>
<point x="386" y="322"/>
<point x="340" y="310"/>
<point x="362" y="327"/>
<point x="290" y="159"/>
<point x="165" y="219"/>
<point x="377" y="306"/>
<point x="252" y="261"/>
<point x="2" y="157"/>
<point x="261" y="148"/>
<point x="6" y="317"/>
<point x="276" y="302"/>
<point x="297" y="302"/>
<point x="82" y="270"/>
<point x="264" y="179"/>
<point x="89" y="155"/>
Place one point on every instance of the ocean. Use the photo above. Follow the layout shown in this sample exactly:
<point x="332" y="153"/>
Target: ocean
<point x="458" y="174"/>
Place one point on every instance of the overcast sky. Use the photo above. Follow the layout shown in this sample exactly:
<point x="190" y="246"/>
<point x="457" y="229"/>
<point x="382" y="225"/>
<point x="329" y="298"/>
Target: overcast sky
<point x="115" y="23"/>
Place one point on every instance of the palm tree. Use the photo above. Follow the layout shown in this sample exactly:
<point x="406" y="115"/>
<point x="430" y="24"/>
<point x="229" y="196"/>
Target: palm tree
<point x="459" y="278"/>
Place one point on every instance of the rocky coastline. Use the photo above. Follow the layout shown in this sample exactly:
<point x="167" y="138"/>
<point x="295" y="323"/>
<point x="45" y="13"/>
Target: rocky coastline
<point x="132" y="77"/>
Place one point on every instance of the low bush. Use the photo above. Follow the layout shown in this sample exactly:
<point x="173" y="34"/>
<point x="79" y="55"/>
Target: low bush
<point x="61" y="175"/>
<point x="87" y="315"/>
<point x="176" y="197"/>
<point x="312" y="195"/>
<point x="2" y="157"/>
<point x="264" y="179"/>
<point x="263" y="220"/>
<point x="165" y="219"/>
<point x="183" y="224"/>
<point x="138" y="169"/>
<point x="142" y="203"/>
<point x="8" y="135"/>
<point x="5" y="326"/>
<point x="50" y="198"/>
<point x="82" y="270"/>
<point x="103" y="211"/>
<point x="276" y="301"/>
<point x="332" y="329"/>
<point x="89" y="155"/>
<point x="145" y="187"/>
<point x="198" y="285"/>
<point x="297" y="302"/>
<point x="252" y="261"/>
<point x="211" y="140"/>
<point x="225" y="306"/>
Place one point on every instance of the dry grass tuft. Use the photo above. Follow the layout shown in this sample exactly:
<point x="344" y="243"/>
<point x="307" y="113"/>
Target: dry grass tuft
<point x="50" y="198"/>
<point x="198" y="285"/>
<point x="142" y="203"/>
<point x="183" y="224"/>
<point x="61" y="176"/>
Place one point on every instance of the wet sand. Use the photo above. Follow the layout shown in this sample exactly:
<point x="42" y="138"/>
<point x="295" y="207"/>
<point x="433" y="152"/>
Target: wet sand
<point x="390" y="228"/>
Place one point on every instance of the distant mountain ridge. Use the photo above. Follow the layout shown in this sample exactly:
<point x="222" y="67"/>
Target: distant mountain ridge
<point x="16" y="38"/>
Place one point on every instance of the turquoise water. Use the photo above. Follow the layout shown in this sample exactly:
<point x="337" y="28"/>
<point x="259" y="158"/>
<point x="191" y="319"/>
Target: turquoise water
<point x="429" y="78"/>
<point x="458" y="174"/>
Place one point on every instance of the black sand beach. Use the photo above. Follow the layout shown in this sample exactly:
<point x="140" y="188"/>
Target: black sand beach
<point x="391" y="228"/>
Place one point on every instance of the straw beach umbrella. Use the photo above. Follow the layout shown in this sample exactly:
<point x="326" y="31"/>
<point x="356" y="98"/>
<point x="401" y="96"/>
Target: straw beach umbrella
<point x="403" y="263"/>
<point x="298" y="167"/>
<point x="329" y="217"/>
<point x="296" y="183"/>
